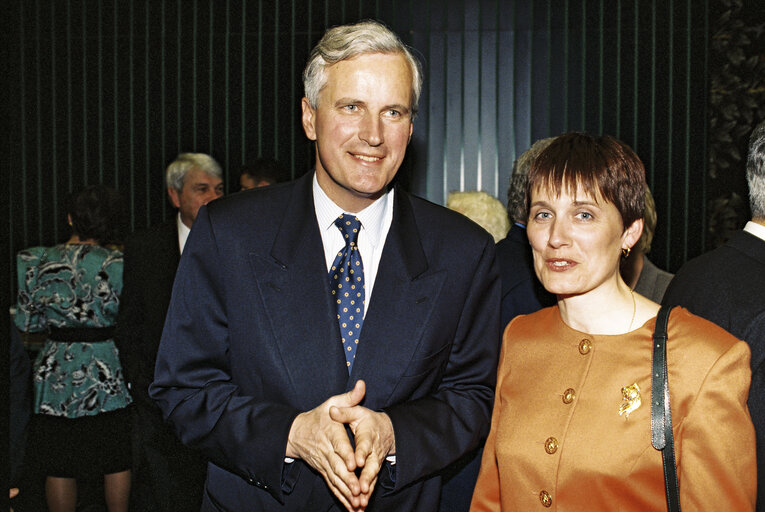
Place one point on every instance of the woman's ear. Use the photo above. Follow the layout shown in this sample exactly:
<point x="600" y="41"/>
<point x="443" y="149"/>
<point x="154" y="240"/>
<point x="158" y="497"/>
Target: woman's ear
<point x="632" y="234"/>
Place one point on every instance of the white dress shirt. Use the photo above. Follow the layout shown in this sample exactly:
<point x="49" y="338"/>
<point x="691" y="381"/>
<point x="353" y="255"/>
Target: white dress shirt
<point x="375" y="224"/>
<point x="183" y="232"/>
<point x="755" y="229"/>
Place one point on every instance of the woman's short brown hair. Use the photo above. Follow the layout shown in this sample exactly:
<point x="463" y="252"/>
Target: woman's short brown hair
<point x="600" y="165"/>
<point x="98" y="213"/>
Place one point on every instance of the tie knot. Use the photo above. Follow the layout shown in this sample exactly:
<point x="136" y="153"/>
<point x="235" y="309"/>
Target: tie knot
<point x="349" y="225"/>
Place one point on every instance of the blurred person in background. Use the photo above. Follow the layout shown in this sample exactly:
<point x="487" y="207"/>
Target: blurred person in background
<point x="522" y="293"/>
<point x="483" y="209"/>
<point x="71" y="290"/>
<point x="261" y="172"/>
<point x="167" y="476"/>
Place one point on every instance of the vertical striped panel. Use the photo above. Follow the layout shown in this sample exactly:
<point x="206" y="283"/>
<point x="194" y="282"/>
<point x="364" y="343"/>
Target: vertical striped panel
<point x="111" y="91"/>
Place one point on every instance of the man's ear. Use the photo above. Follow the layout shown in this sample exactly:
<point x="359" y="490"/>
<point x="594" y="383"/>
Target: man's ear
<point x="173" y="194"/>
<point x="309" y="119"/>
<point x="632" y="234"/>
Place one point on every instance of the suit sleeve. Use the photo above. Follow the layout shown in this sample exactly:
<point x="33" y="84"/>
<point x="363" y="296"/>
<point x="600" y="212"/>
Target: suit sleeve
<point x="132" y="336"/>
<point x="487" y="492"/>
<point x="435" y="430"/>
<point x="193" y="383"/>
<point x="717" y="466"/>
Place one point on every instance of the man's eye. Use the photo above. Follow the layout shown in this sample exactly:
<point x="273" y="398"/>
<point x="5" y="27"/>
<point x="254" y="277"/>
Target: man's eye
<point x="351" y="108"/>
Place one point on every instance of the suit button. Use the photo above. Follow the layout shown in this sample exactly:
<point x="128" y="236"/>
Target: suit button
<point x="585" y="346"/>
<point x="551" y="445"/>
<point x="545" y="499"/>
<point x="568" y="396"/>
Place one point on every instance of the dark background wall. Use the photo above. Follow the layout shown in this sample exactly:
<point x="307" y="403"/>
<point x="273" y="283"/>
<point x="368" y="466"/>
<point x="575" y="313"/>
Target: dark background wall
<point x="110" y="91"/>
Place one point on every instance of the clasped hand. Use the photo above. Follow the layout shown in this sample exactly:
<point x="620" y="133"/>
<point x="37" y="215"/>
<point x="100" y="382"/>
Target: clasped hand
<point x="318" y="437"/>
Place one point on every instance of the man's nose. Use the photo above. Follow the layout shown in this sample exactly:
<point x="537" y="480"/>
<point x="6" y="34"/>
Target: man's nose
<point x="371" y="130"/>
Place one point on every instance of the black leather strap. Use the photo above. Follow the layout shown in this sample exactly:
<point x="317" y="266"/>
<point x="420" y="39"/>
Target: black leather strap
<point x="661" y="415"/>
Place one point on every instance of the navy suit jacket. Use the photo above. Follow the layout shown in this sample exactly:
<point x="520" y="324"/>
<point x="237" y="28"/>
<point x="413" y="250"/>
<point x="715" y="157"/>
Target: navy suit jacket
<point x="727" y="286"/>
<point x="251" y="340"/>
<point x="151" y="259"/>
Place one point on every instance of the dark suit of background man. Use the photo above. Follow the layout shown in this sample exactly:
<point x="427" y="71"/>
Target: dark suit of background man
<point x="252" y="370"/>
<point x="727" y="286"/>
<point x="167" y="475"/>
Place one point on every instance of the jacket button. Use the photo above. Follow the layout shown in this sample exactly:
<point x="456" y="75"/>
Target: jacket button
<point x="551" y="445"/>
<point x="568" y="396"/>
<point x="585" y="346"/>
<point x="545" y="499"/>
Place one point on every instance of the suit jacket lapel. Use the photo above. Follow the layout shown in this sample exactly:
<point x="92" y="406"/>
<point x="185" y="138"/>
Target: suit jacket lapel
<point x="294" y="287"/>
<point x="404" y="295"/>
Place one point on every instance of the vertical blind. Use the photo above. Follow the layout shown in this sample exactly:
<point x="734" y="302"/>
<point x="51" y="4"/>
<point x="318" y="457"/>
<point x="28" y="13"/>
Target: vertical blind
<point x="110" y="91"/>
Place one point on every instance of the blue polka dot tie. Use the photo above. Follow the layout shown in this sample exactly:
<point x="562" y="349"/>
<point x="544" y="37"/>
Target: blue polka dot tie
<point x="346" y="279"/>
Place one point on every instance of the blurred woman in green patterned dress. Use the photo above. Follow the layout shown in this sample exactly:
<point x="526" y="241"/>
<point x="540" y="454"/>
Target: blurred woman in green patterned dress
<point x="71" y="291"/>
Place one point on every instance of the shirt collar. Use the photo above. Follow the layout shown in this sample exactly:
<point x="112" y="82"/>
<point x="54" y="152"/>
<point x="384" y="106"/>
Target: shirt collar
<point x="371" y="217"/>
<point x="183" y="232"/>
<point x="755" y="229"/>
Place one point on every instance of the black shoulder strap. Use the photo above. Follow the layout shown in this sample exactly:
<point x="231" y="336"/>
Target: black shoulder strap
<point x="661" y="416"/>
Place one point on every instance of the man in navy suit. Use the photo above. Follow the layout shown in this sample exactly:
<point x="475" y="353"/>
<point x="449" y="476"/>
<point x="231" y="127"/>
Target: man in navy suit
<point x="252" y="368"/>
<point x="727" y="286"/>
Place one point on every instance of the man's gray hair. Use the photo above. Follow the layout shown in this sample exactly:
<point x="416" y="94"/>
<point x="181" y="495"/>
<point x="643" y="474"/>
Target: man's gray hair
<point x="755" y="171"/>
<point x="177" y="170"/>
<point x="348" y="41"/>
<point x="516" y="191"/>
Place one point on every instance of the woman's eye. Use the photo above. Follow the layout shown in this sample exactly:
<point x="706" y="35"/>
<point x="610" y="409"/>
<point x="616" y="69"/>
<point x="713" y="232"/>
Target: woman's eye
<point x="585" y="215"/>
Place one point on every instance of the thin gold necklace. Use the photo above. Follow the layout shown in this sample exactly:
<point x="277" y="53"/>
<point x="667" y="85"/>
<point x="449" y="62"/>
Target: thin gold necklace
<point x="634" y="310"/>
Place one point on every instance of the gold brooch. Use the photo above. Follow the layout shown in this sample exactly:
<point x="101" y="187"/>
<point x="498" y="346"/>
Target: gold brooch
<point x="631" y="397"/>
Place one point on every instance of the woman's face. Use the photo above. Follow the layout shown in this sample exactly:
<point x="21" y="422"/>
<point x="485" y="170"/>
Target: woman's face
<point x="576" y="240"/>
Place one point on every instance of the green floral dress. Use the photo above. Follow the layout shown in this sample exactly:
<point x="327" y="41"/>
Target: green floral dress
<point x="72" y="286"/>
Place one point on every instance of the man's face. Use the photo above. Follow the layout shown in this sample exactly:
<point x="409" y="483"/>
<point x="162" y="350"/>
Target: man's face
<point x="198" y="188"/>
<point x="361" y="126"/>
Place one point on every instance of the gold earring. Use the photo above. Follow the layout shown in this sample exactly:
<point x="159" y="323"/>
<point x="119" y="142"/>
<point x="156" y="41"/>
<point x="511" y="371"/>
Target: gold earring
<point x="626" y="252"/>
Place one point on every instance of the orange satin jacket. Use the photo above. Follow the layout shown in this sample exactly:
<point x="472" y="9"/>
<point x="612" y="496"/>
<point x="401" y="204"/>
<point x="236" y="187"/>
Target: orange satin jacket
<point x="558" y="440"/>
